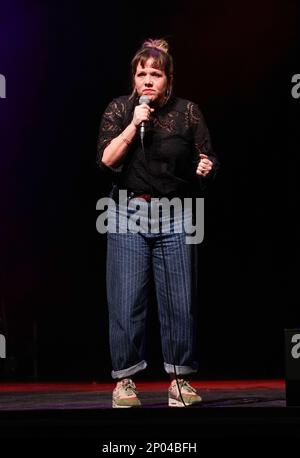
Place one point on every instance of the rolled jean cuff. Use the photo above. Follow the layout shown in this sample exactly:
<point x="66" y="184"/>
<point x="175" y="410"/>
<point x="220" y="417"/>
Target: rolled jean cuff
<point x="130" y="370"/>
<point x="181" y="370"/>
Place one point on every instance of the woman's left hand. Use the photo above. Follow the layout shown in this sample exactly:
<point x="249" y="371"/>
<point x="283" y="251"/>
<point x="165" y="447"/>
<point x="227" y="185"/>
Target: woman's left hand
<point x="205" y="165"/>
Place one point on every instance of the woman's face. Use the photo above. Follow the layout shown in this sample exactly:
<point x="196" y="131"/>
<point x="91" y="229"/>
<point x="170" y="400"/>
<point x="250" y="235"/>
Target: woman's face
<point x="150" y="81"/>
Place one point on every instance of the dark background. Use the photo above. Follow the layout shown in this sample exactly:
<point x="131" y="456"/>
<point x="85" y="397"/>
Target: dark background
<point x="63" y="62"/>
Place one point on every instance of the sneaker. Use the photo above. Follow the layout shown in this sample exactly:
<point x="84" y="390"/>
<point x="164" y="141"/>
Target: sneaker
<point x="125" y="395"/>
<point x="188" y="393"/>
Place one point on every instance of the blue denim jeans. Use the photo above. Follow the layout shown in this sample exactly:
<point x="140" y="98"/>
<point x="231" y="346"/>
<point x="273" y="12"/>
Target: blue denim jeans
<point x="131" y="259"/>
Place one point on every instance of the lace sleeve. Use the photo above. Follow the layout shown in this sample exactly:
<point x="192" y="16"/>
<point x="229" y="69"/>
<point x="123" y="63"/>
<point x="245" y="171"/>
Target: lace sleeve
<point x="110" y="127"/>
<point x="201" y="136"/>
<point x="202" y="144"/>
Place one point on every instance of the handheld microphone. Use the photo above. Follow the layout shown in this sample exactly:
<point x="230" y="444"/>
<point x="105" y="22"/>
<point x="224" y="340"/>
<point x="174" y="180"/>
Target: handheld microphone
<point x="143" y="99"/>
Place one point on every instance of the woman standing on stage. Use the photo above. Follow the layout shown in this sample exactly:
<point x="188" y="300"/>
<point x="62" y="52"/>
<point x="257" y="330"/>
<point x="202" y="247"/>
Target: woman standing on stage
<point x="174" y="160"/>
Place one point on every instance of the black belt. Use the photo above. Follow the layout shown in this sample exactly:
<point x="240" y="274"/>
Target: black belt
<point x="142" y="195"/>
<point x="131" y="195"/>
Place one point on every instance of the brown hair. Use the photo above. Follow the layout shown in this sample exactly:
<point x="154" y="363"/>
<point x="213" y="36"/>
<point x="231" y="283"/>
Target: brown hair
<point x="158" y="50"/>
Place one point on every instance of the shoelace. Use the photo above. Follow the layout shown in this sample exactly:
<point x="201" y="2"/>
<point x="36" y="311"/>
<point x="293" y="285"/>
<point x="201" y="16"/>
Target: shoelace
<point x="185" y="384"/>
<point x="129" y="386"/>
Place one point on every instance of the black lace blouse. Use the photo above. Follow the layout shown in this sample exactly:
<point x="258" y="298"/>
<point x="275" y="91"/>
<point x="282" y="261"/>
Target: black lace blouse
<point x="175" y="136"/>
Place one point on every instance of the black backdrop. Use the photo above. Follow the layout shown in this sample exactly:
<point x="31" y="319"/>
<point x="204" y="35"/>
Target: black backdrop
<point x="63" y="62"/>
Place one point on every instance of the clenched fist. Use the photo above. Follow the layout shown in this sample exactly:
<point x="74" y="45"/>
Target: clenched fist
<point x="205" y="165"/>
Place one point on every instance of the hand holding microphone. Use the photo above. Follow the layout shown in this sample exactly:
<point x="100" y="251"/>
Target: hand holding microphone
<point x="142" y="114"/>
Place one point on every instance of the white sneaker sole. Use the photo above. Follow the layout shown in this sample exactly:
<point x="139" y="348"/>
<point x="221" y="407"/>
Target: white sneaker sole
<point x="175" y="403"/>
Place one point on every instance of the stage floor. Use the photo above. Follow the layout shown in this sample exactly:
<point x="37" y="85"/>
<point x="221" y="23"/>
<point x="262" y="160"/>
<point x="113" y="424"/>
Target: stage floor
<point x="153" y="395"/>
<point x="74" y="411"/>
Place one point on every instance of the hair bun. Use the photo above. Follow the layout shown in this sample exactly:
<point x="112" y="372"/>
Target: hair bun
<point x="160" y="44"/>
